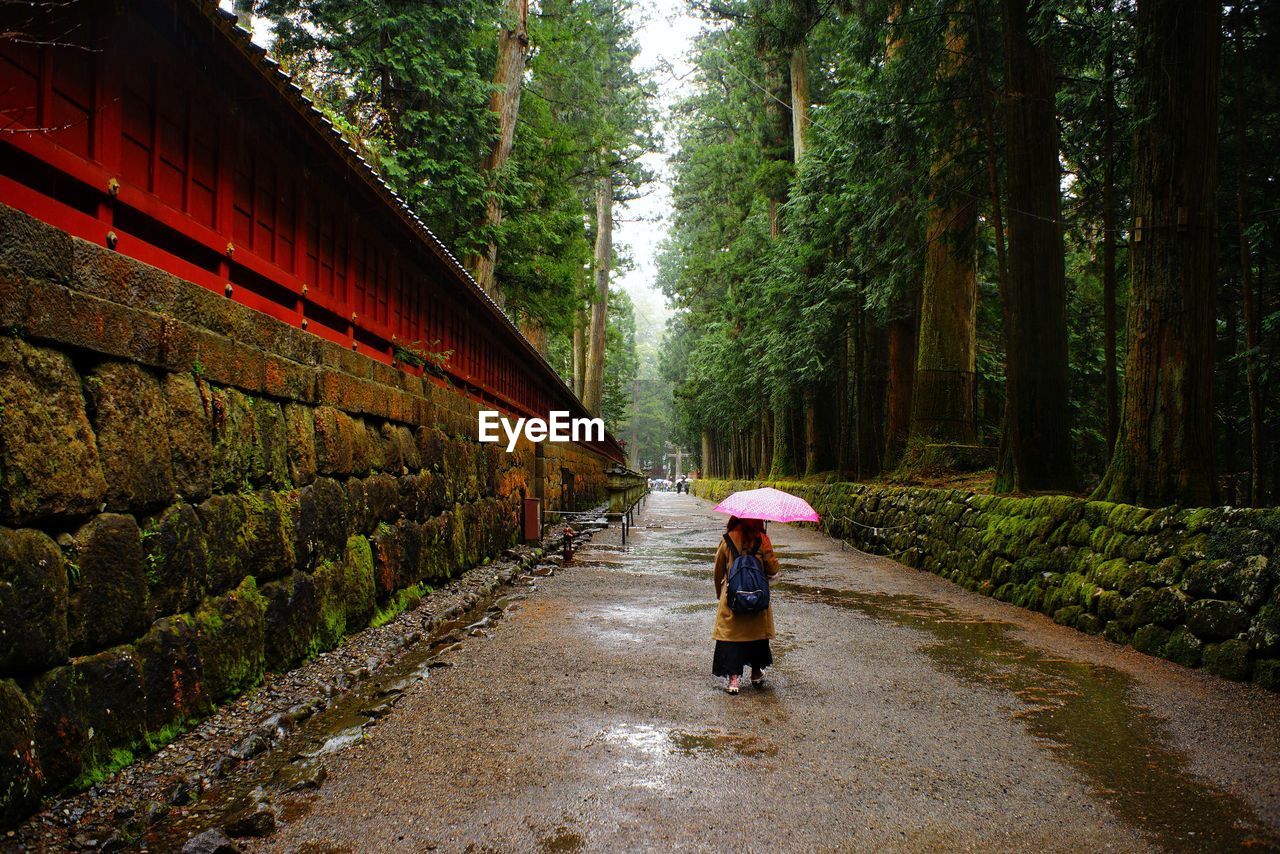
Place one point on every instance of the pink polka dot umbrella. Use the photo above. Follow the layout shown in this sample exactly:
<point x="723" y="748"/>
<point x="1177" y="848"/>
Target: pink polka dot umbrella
<point x="768" y="503"/>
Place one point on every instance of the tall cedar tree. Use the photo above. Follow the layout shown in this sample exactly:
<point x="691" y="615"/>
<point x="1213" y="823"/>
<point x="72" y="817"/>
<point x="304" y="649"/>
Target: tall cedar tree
<point x="1035" y="298"/>
<point x="942" y="405"/>
<point x="1164" y="452"/>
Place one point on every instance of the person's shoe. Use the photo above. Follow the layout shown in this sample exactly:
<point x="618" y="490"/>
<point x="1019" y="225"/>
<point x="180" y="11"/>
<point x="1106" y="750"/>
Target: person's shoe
<point x="733" y="685"/>
<point x="757" y="678"/>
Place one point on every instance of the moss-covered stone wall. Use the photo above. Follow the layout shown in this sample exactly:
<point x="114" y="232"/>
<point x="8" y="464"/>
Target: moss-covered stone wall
<point x="193" y="493"/>
<point x="1198" y="587"/>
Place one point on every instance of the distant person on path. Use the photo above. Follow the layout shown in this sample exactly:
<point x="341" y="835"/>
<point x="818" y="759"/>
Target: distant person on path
<point x="742" y="640"/>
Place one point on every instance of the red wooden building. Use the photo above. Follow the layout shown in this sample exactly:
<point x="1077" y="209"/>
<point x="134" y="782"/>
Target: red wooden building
<point x="157" y="128"/>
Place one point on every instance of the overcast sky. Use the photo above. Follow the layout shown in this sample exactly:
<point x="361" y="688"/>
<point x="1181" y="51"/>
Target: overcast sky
<point x="665" y="35"/>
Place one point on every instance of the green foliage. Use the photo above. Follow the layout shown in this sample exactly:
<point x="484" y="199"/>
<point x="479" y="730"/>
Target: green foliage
<point x="408" y="83"/>
<point x="101" y="772"/>
<point x="404" y="600"/>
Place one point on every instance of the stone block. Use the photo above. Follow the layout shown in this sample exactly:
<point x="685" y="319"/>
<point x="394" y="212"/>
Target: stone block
<point x="388" y="558"/>
<point x="336" y="434"/>
<point x="346" y="592"/>
<point x="129" y="416"/>
<point x="49" y="463"/>
<point x="359" y="515"/>
<point x="270" y="538"/>
<point x="21" y="779"/>
<point x="1183" y="648"/>
<point x="273" y="467"/>
<point x="86" y="709"/>
<point x="292" y="625"/>
<point x="177" y="560"/>
<point x="1151" y="639"/>
<point x="33" y="602"/>
<point x="1216" y="619"/>
<point x="172" y="674"/>
<point x="238" y="460"/>
<point x="1264" y="630"/>
<point x="383" y="492"/>
<point x="431" y="445"/>
<point x="230" y="641"/>
<point x="1266" y="672"/>
<point x="300" y="439"/>
<point x="189" y="427"/>
<point x="1229" y="659"/>
<point x="109" y="601"/>
<point x="116" y="705"/>
<point x="321" y="524"/>
<point x="225" y="520"/>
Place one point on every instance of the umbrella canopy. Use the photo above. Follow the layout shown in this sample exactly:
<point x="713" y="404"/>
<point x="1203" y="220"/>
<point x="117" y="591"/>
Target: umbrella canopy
<point x="768" y="503"/>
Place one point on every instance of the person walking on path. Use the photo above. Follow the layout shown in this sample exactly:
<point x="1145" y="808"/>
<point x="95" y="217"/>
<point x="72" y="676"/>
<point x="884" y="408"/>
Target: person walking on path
<point x="742" y="640"/>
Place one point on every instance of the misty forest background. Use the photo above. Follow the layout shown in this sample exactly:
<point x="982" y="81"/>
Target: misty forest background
<point x="1011" y="245"/>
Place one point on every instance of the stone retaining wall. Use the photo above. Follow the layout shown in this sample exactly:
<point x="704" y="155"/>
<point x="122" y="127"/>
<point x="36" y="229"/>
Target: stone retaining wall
<point x="1198" y="587"/>
<point x="192" y="493"/>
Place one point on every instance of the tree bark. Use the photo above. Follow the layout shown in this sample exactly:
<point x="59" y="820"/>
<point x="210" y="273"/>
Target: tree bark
<point x="810" y="430"/>
<point x="593" y="396"/>
<point x="579" y="351"/>
<point x="776" y="141"/>
<point x="513" y="51"/>
<point x="1164" y="450"/>
<point x="1246" y="274"/>
<point x="902" y="329"/>
<point x="783" y="461"/>
<point x="799" y="100"/>
<point x="533" y="329"/>
<point x="1109" y="242"/>
<point x="1035" y="300"/>
<point x="942" y="402"/>
<point x="843" y="420"/>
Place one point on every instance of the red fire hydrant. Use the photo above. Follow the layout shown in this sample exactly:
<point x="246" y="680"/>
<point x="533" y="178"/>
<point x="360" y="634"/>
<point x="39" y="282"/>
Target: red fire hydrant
<point x="568" y="543"/>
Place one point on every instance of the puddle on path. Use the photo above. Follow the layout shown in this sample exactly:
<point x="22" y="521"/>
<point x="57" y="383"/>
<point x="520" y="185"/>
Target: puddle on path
<point x="563" y="839"/>
<point x="714" y="741"/>
<point x="661" y="741"/>
<point x="695" y="607"/>
<point x="1084" y="712"/>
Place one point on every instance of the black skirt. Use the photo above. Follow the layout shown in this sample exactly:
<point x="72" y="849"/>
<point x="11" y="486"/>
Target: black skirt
<point x="732" y="656"/>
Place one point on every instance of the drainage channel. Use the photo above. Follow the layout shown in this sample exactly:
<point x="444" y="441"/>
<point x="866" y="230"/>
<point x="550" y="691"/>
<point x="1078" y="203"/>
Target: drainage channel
<point x="290" y="749"/>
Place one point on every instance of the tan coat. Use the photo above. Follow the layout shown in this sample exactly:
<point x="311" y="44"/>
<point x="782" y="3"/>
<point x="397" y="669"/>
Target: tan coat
<point x="742" y="627"/>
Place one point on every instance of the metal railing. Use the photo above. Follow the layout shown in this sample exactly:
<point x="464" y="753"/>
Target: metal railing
<point x="626" y="517"/>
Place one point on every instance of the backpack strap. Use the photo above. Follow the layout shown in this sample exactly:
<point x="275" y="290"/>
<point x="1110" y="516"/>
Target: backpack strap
<point x="733" y="550"/>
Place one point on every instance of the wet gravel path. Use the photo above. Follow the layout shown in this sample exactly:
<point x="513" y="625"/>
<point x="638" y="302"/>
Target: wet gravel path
<point x="903" y="713"/>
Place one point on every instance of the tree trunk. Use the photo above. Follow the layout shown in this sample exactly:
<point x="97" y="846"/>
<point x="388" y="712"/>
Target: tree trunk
<point x="843" y="421"/>
<point x="593" y="397"/>
<point x="1164" y="450"/>
<point x="533" y="329"/>
<point x="783" y="461"/>
<point x="777" y="140"/>
<point x="1109" y="243"/>
<point x="942" y="402"/>
<point x="810" y="430"/>
<point x="765" y="447"/>
<point x="1246" y="276"/>
<point x="799" y="100"/>
<point x="508" y="76"/>
<point x="579" y="351"/>
<point x="707" y="469"/>
<point x="902" y="328"/>
<point x="1035" y="301"/>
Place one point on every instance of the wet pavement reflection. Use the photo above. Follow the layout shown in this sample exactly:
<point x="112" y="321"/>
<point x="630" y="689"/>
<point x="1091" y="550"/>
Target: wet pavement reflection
<point x="902" y="713"/>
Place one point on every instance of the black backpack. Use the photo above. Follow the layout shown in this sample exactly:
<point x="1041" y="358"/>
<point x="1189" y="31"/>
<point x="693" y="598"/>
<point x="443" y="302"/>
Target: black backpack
<point x="748" y="585"/>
